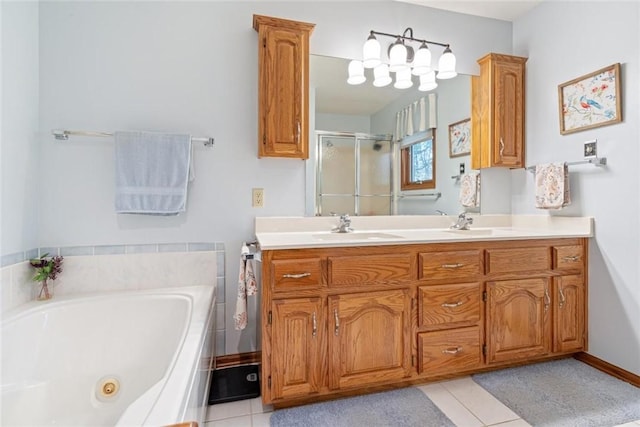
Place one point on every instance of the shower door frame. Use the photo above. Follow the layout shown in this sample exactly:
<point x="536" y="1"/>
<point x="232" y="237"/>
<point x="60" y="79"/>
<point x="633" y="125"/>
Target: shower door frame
<point x="358" y="136"/>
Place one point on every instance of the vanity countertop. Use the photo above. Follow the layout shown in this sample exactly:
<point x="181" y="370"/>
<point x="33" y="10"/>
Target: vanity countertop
<point x="275" y="233"/>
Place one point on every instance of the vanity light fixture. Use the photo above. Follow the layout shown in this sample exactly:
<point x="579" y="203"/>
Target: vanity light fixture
<point x="404" y="61"/>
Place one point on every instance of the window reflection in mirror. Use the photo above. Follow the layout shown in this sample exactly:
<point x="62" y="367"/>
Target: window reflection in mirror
<point x="418" y="165"/>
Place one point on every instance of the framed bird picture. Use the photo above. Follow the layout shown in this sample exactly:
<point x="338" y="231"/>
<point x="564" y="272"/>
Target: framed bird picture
<point x="590" y="101"/>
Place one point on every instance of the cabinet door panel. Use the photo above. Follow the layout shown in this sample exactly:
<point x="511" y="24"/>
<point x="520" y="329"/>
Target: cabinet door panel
<point x="362" y="270"/>
<point x="298" y="327"/>
<point x="569" y="313"/>
<point x="369" y="341"/>
<point x="509" y="101"/>
<point x="518" y="319"/>
<point x="450" y="265"/>
<point x="443" y="352"/>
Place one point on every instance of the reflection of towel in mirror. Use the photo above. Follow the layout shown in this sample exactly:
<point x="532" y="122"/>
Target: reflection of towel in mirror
<point x="552" y="186"/>
<point x="470" y="190"/>
<point x="247" y="286"/>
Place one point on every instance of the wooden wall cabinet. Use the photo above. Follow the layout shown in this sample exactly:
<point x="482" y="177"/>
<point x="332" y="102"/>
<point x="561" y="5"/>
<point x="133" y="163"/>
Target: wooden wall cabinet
<point x="283" y="87"/>
<point x="497" y="112"/>
<point x="342" y="321"/>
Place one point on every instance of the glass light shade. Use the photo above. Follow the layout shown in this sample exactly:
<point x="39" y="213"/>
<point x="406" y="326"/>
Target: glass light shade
<point x="381" y="76"/>
<point x="447" y="65"/>
<point x="403" y="79"/>
<point x="371" y="52"/>
<point x="398" y="57"/>
<point x="356" y="73"/>
<point x="428" y="82"/>
<point x="422" y="61"/>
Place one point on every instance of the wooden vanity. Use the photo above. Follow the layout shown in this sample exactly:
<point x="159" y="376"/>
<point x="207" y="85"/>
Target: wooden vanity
<point x="345" y="320"/>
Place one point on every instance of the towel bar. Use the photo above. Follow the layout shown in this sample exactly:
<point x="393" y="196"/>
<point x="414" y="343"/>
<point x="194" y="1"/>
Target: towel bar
<point x="596" y="161"/>
<point x="63" y="135"/>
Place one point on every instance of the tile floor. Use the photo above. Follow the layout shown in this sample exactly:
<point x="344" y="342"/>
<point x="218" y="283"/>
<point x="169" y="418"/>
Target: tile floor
<point x="462" y="400"/>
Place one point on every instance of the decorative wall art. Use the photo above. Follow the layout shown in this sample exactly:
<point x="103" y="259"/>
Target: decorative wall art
<point x="460" y="138"/>
<point x="590" y="101"/>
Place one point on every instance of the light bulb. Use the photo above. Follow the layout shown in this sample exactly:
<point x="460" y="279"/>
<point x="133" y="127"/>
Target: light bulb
<point x="381" y="75"/>
<point x="403" y="79"/>
<point x="447" y="65"/>
<point x="356" y="73"/>
<point x="371" y="52"/>
<point x="422" y="61"/>
<point x="398" y="57"/>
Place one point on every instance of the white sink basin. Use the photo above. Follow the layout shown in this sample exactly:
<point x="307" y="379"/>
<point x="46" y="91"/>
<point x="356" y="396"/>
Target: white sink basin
<point x="332" y="237"/>
<point x="472" y="232"/>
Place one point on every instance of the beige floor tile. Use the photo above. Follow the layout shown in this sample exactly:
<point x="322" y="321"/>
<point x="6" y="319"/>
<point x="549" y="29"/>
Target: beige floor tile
<point x="244" y="421"/>
<point x="515" y="423"/>
<point x="630" y="424"/>
<point x="258" y="408"/>
<point x="229" y="410"/>
<point x="479" y="401"/>
<point x="450" y="406"/>
<point x="261" y="420"/>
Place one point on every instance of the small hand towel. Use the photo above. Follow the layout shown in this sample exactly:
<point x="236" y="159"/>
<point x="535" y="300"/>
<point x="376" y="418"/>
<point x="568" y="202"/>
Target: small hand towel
<point x="247" y="286"/>
<point x="152" y="172"/>
<point x="552" y="186"/>
<point x="470" y="190"/>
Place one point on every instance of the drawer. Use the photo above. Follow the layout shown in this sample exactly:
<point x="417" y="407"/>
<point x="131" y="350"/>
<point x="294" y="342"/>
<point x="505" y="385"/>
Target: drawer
<point x="450" y="264"/>
<point x="568" y="257"/>
<point x="518" y="259"/>
<point x="368" y="269"/>
<point x="300" y="273"/>
<point x="446" y="304"/>
<point x="450" y="350"/>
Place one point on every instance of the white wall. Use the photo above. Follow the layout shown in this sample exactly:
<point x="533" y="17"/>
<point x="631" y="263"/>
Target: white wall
<point x="18" y="151"/>
<point x="576" y="40"/>
<point x="192" y="67"/>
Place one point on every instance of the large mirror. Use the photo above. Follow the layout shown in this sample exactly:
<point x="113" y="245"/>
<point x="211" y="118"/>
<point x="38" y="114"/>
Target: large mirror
<point x="356" y="167"/>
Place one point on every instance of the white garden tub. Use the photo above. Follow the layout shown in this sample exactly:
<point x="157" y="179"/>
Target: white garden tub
<point x="128" y="359"/>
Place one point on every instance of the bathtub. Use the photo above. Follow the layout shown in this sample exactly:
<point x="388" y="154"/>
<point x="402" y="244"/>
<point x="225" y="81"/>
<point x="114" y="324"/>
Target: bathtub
<point x="131" y="358"/>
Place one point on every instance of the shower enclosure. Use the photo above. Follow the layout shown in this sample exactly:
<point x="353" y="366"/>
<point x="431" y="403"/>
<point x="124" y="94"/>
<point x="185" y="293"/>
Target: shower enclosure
<point x="354" y="174"/>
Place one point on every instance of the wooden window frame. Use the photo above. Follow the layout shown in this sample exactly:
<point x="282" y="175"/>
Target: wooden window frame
<point x="405" y="167"/>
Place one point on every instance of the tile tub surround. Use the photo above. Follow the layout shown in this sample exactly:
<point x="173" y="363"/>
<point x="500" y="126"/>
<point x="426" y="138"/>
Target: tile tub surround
<point x="302" y="232"/>
<point x="119" y="267"/>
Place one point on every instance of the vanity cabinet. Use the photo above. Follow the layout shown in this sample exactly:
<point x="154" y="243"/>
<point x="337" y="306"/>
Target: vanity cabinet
<point x="342" y="320"/>
<point x="497" y="112"/>
<point x="283" y="87"/>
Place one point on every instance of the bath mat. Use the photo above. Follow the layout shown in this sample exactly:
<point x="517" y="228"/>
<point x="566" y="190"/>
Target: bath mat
<point x="563" y="393"/>
<point x="407" y="407"/>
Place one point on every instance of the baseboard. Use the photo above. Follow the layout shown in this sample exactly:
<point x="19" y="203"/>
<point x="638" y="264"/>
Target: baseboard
<point x="608" y="368"/>
<point x="229" y="360"/>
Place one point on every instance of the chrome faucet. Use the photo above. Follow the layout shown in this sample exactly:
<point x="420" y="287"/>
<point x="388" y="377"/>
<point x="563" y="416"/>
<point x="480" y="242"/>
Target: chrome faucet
<point x="344" y="226"/>
<point x="463" y="222"/>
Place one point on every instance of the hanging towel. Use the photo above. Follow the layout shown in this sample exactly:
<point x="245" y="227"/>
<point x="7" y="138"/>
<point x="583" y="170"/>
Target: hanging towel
<point x="152" y="172"/>
<point x="552" y="186"/>
<point x="470" y="190"/>
<point x="247" y="286"/>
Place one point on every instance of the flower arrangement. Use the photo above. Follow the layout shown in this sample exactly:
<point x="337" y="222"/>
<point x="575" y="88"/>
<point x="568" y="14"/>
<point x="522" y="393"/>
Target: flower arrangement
<point x="46" y="268"/>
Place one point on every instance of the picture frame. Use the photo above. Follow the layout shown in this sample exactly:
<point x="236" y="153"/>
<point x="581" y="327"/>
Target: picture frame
<point x="460" y="138"/>
<point x="590" y="101"/>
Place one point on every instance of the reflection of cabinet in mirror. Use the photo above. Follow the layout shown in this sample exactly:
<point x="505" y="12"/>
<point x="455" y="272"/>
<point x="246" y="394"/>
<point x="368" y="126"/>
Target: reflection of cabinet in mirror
<point x="497" y="118"/>
<point x="283" y="92"/>
<point x="353" y="174"/>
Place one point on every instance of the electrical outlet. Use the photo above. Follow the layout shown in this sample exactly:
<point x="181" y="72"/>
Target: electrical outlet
<point x="257" y="197"/>
<point x="461" y="168"/>
<point x="591" y="148"/>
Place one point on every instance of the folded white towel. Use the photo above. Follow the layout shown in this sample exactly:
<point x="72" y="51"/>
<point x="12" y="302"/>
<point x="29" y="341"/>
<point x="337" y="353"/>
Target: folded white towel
<point x="247" y="286"/>
<point x="152" y="172"/>
<point x="470" y="190"/>
<point x="552" y="186"/>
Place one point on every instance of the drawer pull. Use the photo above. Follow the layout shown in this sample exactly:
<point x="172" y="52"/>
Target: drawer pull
<point x="295" y="276"/>
<point x="547" y="299"/>
<point x="457" y="265"/>
<point x="451" y="305"/>
<point x="562" y="297"/>
<point x="315" y="324"/>
<point x="573" y="258"/>
<point x="336" y="330"/>
<point x="455" y="350"/>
